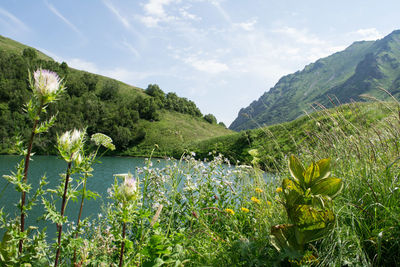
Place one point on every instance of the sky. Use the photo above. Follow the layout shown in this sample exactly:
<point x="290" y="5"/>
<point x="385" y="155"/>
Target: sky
<point x="222" y="54"/>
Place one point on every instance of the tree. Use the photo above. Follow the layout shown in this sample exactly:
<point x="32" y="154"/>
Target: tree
<point x="29" y="53"/>
<point x="210" y="118"/>
<point x="109" y="90"/>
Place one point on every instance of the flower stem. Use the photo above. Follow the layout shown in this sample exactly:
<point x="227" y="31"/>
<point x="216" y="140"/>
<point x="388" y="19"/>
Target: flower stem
<point x="122" y="245"/>
<point x="59" y="225"/>
<point x="25" y="179"/>
<point x="80" y="214"/>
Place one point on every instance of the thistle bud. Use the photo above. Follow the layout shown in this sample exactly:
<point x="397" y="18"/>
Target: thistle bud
<point x="69" y="143"/>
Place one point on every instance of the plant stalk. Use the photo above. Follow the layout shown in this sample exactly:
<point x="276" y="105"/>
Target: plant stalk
<point x="122" y="245"/>
<point x="59" y="225"/>
<point x="25" y="179"/>
<point x="80" y="214"/>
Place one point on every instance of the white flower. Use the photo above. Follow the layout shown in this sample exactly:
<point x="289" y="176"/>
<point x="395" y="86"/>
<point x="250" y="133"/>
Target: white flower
<point x="128" y="190"/>
<point x="70" y="143"/>
<point x="46" y="82"/>
<point x="76" y="136"/>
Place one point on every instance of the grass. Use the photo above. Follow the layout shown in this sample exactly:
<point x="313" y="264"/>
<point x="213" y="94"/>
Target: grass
<point x="275" y="142"/>
<point x="173" y="134"/>
<point x="17" y="48"/>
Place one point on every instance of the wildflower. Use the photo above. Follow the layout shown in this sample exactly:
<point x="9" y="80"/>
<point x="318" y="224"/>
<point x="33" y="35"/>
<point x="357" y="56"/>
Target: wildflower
<point x="230" y="211"/>
<point x="47" y="84"/>
<point x="258" y="190"/>
<point x="244" y="209"/>
<point x="269" y="203"/>
<point x="279" y="189"/>
<point x="102" y="140"/>
<point x="129" y="188"/>
<point x="255" y="200"/>
<point x="70" y="143"/>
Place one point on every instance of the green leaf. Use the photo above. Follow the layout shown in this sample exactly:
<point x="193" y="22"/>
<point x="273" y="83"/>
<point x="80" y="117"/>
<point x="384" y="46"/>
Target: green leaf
<point x="329" y="186"/>
<point x="293" y="192"/>
<point x="324" y="168"/>
<point x="311" y="173"/>
<point x="283" y="238"/>
<point x="296" y="169"/>
<point x="306" y="217"/>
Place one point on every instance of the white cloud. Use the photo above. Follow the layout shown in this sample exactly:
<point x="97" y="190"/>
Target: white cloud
<point x="81" y="64"/>
<point x="66" y="21"/>
<point x="118" y="73"/>
<point x="116" y="12"/>
<point x="155" y="12"/>
<point x="206" y="65"/>
<point x="300" y="35"/>
<point x="187" y="15"/>
<point x="221" y="10"/>
<point x="368" y="34"/>
<point x="131" y="48"/>
<point x="247" y="26"/>
<point x="11" y="18"/>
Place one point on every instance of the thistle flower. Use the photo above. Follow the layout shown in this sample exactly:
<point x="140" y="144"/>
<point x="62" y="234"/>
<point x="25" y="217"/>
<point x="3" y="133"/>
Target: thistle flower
<point x="255" y="200"/>
<point x="129" y="189"/>
<point x="69" y="143"/>
<point x="46" y="84"/>
<point x="230" y="211"/>
<point x="246" y="210"/>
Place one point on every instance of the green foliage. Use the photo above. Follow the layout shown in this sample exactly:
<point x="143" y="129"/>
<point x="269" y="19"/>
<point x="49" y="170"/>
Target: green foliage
<point x="210" y="118"/>
<point x="307" y="197"/>
<point x="91" y="101"/>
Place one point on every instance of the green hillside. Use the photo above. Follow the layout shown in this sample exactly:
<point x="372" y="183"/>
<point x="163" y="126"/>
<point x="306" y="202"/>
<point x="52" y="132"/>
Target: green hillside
<point x="273" y="143"/>
<point x="362" y="68"/>
<point x="134" y="118"/>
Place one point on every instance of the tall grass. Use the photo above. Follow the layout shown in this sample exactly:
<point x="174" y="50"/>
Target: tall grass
<point x="366" y="155"/>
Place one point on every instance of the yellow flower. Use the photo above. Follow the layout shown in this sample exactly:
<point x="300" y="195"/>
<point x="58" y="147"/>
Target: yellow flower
<point x="279" y="189"/>
<point x="245" y="210"/>
<point x="230" y="211"/>
<point x="269" y="203"/>
<point x="259" y="190"/>
<point x="255" y="200"/>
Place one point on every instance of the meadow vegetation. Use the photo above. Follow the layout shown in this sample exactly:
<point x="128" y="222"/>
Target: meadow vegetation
<point x="342" y="210"/>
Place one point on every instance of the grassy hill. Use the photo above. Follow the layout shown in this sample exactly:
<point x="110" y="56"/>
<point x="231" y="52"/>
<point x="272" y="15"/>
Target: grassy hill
<point x="362" y="68"/>
<point x="134" y="118"/>
<point x="272" y="144"/>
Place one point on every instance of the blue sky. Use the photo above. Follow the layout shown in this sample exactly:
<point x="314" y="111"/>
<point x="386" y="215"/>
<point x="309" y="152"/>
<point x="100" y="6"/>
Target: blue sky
<point x="222" y="54"/>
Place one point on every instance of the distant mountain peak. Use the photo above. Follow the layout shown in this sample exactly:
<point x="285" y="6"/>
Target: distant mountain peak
<point x="360" y="69"/>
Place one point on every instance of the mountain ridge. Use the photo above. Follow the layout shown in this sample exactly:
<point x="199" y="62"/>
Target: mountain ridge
<point x="360" y="69"/>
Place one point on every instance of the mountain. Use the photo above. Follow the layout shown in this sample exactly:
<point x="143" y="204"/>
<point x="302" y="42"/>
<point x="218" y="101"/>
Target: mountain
<point x="361" y="69"/>
<point x="134" y="118"/>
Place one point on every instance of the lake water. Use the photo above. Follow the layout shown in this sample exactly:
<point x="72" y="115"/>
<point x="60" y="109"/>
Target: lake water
<point x="52" y="167"/>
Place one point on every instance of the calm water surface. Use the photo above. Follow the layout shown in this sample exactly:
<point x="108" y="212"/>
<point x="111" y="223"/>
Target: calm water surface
<point x="52" y="167"/>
